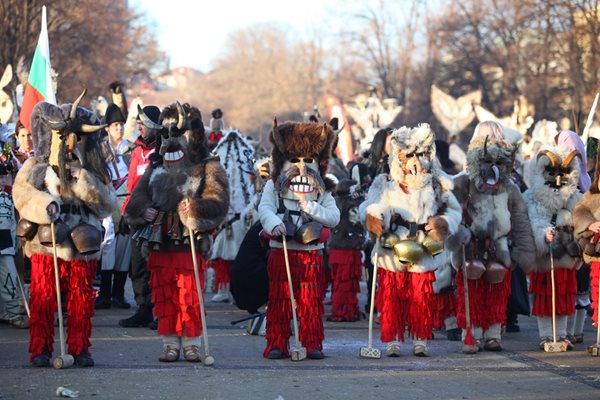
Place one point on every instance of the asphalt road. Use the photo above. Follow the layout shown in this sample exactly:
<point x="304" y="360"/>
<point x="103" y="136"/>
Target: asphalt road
<point x="127" y="367"/>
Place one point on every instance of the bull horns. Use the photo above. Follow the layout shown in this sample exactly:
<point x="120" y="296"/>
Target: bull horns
<point x="554" y="162"/>
<point x="72" y="123"/>
<point x="181" y="120"/>
<point x="148" y="123"/>
<point x="567" y="161"/>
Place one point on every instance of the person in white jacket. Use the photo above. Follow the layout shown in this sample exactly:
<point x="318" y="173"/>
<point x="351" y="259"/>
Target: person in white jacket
<point x="297" y="203"/>
<point x="411" y="211"/>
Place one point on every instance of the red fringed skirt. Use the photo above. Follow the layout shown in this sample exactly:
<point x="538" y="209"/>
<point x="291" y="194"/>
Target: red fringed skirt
<point x="222" y="272"/>
<point x="444" y="306"/>
<point x="306" y="270"/>
<point x="487" y="302"/>
<point x="346" y="268"/>
<point x="174" y="293"/>
<point x="405" y="300"/>
<point x="76" y="279"/>
<point x="565" y="283"/>
<point x="594" y="275"/>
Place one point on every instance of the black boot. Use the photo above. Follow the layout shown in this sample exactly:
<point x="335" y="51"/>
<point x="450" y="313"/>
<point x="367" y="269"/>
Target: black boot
<point x="103" y="299"/>
<point x="84" y="359"/>
<point x="41" y="360"/>
<point x="118" y="290"/>
<point x="141" y="318"/>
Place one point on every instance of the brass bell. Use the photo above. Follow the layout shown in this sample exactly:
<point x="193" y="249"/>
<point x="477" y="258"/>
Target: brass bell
<point x="309" y="233"/>
<point x="434" y="247"/>
<point x="409" y="252"/>
<point x="388" y="240"/>
<point x="475" y="269"/>
<point x="495" y="273"/>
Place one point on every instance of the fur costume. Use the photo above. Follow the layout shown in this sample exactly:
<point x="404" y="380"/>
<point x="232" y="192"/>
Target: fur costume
<point x="48" y="181"/>
<point x="413" y="206"/>
<point x="587" y="213"/>
<point x="345" y="255"/>
<point x="298" y="196"/>
<point x="188" y="189"/>
<point x="550" y="200"/>
<point x="236" y="156"/>
<point x="494" y="217"/>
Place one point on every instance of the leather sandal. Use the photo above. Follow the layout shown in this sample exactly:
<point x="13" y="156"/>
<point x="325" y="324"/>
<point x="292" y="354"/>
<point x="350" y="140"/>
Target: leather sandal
<point x="170" y="354"/>
<point x="492" y="345"/>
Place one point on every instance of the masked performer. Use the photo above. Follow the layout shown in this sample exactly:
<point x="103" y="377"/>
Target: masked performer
<point x="496" y="232"/>
<point x="550" y="199"/>
<point x="67" y="183"/>
<point x="412" y="211"/>
<point x="183" y="188"/>
<point x="345" y="256"/>
<point x="297" y="203"/>
<point x="235" y="154"/>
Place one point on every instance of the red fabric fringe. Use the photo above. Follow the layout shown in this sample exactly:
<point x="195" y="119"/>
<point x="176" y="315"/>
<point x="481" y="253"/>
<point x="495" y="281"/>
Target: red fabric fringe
<point x="444" y="306"/>
<point x="306" y="269"/>
<point x="594" y="275"/>
<point x="346" y="266"/>
<point x="391" y="302"/>
<point x="487" y="302"/>
<point x="76" y="279"/>
<point x="420" y="299"/>
<point x="174" y="293"/>
<point x="222" y="272"/>
<point x="565" y="282"/>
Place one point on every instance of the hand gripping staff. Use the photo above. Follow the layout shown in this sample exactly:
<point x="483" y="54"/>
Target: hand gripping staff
<point x="208" y="359"/>
<point x="64" y="360"/>
<point x="370" y="351"/>
<point x="298" y="353"/>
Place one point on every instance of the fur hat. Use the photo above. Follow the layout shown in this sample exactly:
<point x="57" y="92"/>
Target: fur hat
<point x="113" y="114"/>
<point x="301" y="139"/>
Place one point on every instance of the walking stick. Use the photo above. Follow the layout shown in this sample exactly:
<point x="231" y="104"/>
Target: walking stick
<point x="469" y="340"/>
<point x="370" y="351"/>
<point x="553" y="347"/>
<point x="298" y="352"/>
<point x="208" y="359"/>
<point x="595" y="349"/>
<point x="64" y="360"/>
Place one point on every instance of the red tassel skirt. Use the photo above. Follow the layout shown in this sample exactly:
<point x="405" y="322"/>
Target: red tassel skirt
<point x="346" y="268"/>
<point x="174" y="293"/>
<point x="487" y="302"/>
<point x="405" y="300"/>
<point x="594" y="275"/>
<point x="222" y="272"/>
<point x="565" y="283"/>
<point x="444" y="306"/>
<point x="306" y="269"/>
<point x="76" y="280"/>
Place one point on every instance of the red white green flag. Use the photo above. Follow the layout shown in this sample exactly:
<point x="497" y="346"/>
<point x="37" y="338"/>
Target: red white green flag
<point x="39" y="86"/>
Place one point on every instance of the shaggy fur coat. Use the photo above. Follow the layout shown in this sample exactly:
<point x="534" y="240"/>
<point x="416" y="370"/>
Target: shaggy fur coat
<point x="204" y="185"/>
<point x="543" y="203"/>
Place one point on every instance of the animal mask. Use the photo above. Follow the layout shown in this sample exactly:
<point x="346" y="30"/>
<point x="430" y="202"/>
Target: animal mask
<point x="490" y="164"/>
<point x="413" y="155"/>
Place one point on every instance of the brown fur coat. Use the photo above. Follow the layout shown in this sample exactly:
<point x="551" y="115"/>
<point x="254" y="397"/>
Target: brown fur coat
<point x="586" y="212"/>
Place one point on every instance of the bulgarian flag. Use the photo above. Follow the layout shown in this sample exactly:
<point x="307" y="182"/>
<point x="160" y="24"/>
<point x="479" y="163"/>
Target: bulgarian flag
<point x="39" y="86"/>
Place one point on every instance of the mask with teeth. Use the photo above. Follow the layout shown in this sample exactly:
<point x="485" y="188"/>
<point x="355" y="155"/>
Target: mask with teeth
<point x="300" y="179"/>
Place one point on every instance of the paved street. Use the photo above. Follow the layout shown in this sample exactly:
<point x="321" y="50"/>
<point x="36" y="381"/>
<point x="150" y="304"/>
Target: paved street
<point x="127" y="367"/>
